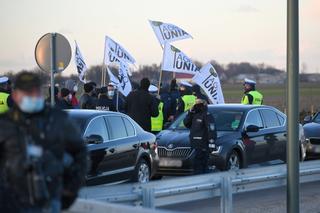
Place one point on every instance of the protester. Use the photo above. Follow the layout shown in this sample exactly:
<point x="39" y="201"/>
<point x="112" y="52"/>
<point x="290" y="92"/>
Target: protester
<point x="94" y="91"/>
<point x="187" y="100"/>
<point x="202" y="131"/>
<point x="87" y="101"/>
<point x="5" y="97"/>
<point x="56" y="95"/>
<point x="104" y="102"/>
<point x="72" y="86"/>
<point x="42" y="155"/>
<point x="196" y="91"/>
<point x="174" y="97"/>
<point x="157" y="122"/>
<point x="165" y="97"/>
<point x="141" y="106"/>
<point x="117" y="102"/>
<point x="251" y="96"/>
<point x="65" y="99"/>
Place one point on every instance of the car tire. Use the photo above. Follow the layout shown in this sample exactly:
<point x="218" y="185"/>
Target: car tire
<point x="233" y="161"/>
<point x="142" y="172"/>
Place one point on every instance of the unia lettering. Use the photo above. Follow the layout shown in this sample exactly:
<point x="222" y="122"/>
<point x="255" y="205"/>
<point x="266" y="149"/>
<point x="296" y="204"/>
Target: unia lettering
<point x="120" y="53"/>
<point x="211" y="86"/>
<point x="170" y="32"/>
<point x="181" y="62"/>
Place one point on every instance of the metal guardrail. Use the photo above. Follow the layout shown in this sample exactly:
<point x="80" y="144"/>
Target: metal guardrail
<point x="184" y="189"/>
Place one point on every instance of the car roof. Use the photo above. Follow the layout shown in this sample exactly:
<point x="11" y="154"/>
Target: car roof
<point x="237" y="107"/>
<point x="86" y="113"/>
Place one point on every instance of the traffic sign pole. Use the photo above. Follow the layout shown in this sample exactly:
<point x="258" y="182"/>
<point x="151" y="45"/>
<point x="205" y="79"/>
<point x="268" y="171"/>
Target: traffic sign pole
<point x="53" y="66"/>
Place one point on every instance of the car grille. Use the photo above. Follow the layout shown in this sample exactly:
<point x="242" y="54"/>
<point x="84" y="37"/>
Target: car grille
<point x="178" y="152"/>
<point x="315" y="141"/>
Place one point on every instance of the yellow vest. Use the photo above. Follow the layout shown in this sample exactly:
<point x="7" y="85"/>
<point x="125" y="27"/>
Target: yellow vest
<point x="189" y="101"/>
<point x="257" y="98"/>
<point x="4" y="102"/>
<point x="157" y="122"/>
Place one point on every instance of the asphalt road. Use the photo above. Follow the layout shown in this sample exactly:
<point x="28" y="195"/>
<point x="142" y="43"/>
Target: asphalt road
<point x="266" y="201"/>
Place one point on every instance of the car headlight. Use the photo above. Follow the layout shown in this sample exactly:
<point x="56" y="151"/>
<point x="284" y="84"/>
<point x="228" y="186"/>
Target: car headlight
<point x="214" y="148"/>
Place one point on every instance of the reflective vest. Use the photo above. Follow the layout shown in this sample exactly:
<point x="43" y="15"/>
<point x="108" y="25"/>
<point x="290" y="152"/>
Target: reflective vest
<point x="4" y="102"/>
<point x="157" y="122"/>
<point x="257" y="98"/>
<point x="189" y="101"/>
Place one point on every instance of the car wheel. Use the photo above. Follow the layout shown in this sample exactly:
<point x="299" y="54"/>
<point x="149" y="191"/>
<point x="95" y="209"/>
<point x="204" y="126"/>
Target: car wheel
<point x="142" y="172"/>
<point x="233" y="162"/>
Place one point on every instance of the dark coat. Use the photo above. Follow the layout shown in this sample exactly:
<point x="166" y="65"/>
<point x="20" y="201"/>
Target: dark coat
<point x="62" y="163"/>
<point x="63" y="104"/>
<point x="141" y="106"/>
<point x="105" y="103"/>
<point x="200" y="131"/>
<point x="87" y="102"/>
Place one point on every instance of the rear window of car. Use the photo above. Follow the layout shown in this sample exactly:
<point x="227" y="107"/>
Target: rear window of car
<point x="129" y="127"/>
<point x="117" y="127"/>
<point x="270" y="118"/>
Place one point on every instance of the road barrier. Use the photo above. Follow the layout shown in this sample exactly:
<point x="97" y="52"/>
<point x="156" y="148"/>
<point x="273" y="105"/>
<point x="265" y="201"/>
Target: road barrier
<point x="192" y="188"/>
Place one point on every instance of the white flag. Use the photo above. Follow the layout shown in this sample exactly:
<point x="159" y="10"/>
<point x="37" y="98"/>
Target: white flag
<point x="80" y="64"/>
<point x="166" y="32"/>
<point x="114" y="52"/>
<point x="124" y="81"/>
<point x="176" y="61"/>
<point x="209" y="81"/>
<point x="113" y="79"/>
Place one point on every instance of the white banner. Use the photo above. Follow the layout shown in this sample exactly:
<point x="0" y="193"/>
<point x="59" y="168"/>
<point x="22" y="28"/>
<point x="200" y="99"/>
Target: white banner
<point x="114" y="52"/>
<point x="113" y="79"/>
<point x="124" y="81"/>
<point x="80" y="64"/>
<point x="209" y="81"/>
<point x="176" y="61"/>
<point x="166" y="32"/>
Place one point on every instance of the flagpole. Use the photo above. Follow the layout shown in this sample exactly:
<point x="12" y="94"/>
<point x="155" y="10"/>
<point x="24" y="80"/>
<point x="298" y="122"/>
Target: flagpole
<point x="117" y="103"/>
<point x="160" y="77"/>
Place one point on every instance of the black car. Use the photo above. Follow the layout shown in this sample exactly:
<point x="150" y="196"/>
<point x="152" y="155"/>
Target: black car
<point x="118" y="147"/>
<point x="312" y="134"/>
<point x="246" y="134"/>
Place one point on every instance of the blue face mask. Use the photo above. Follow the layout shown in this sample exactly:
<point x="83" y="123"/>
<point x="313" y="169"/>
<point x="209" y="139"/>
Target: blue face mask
<point x="31" y="104"/>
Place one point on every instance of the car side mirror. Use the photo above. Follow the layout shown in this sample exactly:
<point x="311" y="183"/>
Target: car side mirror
<point x="307" y="119"/>
<point x="94" y="139"/>
<point x="252" y="128"/>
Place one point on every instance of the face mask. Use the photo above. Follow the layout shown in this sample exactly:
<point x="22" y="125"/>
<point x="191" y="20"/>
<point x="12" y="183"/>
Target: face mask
<point x="69" y="97"/>
<point x="111" y="93"/>
<point x="31" y="104"/>
<point x="75" y="88"/>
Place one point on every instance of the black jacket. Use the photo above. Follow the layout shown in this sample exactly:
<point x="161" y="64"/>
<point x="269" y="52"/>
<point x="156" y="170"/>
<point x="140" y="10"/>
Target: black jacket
<point x="63" y="104"/>
<point x="62" y="163"/>
<point x="141" y="106"/>
<point x="105" y="103"/>
<point x="87" y="102"/>
<point x="202" y="130"/>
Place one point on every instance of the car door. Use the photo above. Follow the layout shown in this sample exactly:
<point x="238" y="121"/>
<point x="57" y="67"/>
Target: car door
<point x="121" y="154"/>
<point x="97" y="152"/>
<point x="254" y="142"/>
<point x="275" y="134"/>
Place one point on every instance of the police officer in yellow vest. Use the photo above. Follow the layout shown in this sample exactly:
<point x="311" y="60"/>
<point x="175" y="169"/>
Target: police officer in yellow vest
<point x="156" y="122"/>
<point x="187" y="99"/>
<point x="5" y="98"/>
<point x="251" y="96"/>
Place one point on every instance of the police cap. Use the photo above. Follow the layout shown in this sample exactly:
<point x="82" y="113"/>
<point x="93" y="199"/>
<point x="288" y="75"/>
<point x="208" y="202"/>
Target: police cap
<point x="27" y="81"/>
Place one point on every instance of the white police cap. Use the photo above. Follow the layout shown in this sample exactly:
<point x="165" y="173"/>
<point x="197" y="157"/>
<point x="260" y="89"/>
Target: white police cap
<point x="152" y="88"/>
<point x="4" y="79"/>
<point x="249" y="81"/>
<point x="185" y="83"/>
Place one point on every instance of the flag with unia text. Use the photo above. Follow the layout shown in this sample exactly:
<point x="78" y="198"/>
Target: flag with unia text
<point x="80" y="64"/>
<point x="122" y="82"/>
<point x="174" y="60"/>
<point x="166" y="32"/>
<point x="114" y="52"/>
<point x="209" y="81"/>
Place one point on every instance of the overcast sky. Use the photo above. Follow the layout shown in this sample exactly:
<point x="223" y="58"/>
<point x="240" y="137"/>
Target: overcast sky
<point x="226" y="31"/>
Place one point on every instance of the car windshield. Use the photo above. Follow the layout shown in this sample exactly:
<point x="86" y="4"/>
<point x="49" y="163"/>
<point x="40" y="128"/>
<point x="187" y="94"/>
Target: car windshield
<point x="316" y="119"/>
<point x="225" y="120"/>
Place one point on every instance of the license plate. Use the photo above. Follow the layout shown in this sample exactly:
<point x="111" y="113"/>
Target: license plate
<point x="170" y="163"/>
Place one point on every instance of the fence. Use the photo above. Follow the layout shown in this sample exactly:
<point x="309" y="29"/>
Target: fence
<point x="184" y="189"/>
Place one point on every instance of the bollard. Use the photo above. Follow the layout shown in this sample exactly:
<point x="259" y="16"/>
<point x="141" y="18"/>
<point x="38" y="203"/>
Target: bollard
<point x="226" y="195"/>
<point x="148" y="197"/>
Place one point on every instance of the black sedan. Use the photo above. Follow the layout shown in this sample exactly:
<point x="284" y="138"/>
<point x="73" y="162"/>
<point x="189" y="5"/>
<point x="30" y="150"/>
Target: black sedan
<point x="119" y="149"/>
<point x="312" y="134"/>
<point x="246" y="134"/>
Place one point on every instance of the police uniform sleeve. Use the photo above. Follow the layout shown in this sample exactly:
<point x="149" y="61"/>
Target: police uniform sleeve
<point x="187" y="121"/>
<point x="74" y="174"/>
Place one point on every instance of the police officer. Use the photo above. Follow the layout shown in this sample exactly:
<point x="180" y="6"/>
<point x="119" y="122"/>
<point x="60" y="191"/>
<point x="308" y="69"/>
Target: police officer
<point x="187" y="99"/>
<point x="202" y="132"/>
<point x="157" y="122"/>
<point x="5" y="98"/>
<point x="251" y="96"/>
<point x="42" y="155"/>
<point x="104" y="102"/>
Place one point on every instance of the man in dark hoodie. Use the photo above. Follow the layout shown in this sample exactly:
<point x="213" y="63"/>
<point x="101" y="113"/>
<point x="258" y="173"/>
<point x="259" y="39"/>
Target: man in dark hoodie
<point x="141" y="106"/>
